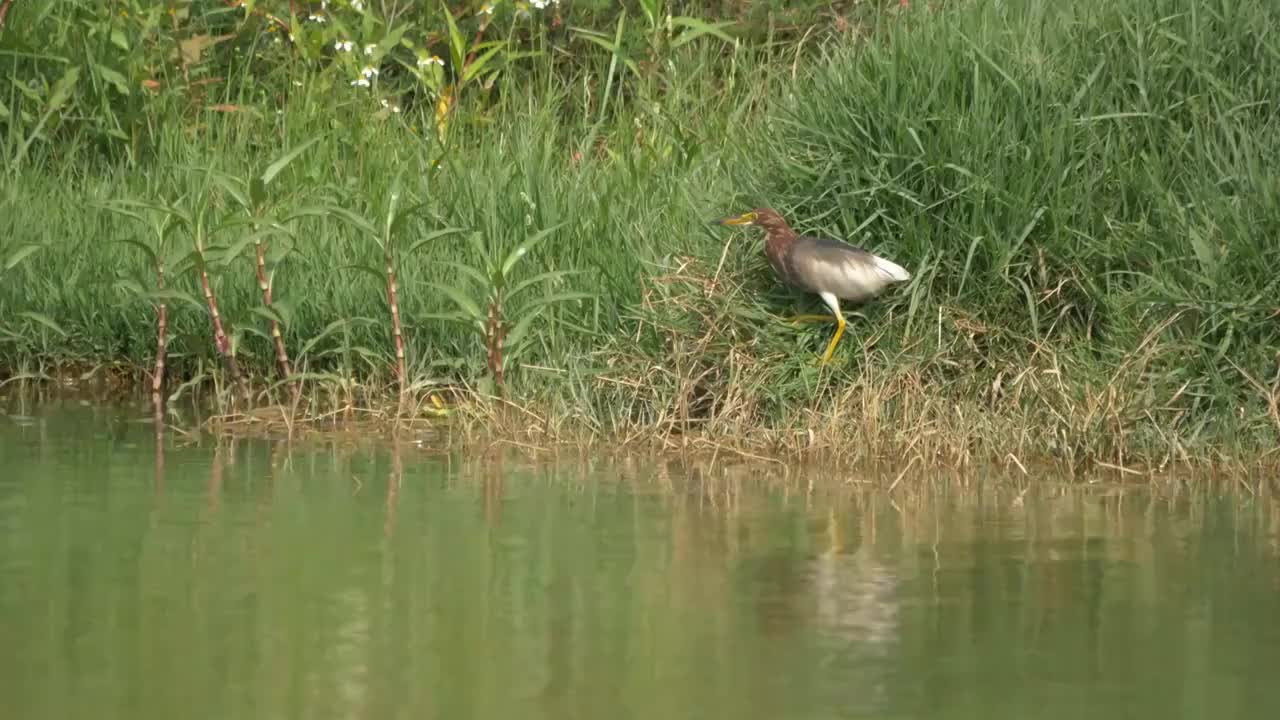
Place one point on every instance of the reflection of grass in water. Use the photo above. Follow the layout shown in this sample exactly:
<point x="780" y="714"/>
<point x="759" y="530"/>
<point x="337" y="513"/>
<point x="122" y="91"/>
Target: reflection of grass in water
<point x="582" y="582"/>
<point x="1082" y="194"/>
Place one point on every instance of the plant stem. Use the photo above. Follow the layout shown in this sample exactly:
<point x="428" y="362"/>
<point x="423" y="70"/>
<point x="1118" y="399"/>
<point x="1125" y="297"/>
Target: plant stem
<point x="494" y="333"/>
<point x="264" y="284"/>
<point x="220" y="339"/>
<point x="4" y="11"/>
<point x="396" y="334"/>
<point x="162" y="343"/>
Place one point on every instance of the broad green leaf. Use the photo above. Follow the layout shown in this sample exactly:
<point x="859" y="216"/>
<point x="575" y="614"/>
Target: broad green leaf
<point x="393" y="38"/>
<point x="233" y="187"/>
<point x="433" y="235"/>
<point x="478" y="64"/>
<point x="130" y="285"/>
<point x="145" y="248"/>
<point x="393" y="201"/>
<point x="113" y="78"/>
<point x="183" y="260"/>
<point x="457" y="46"/>
<point x="513" y="352"/>
<point x="326" y="332"/>
<point x="284" y="309"/>
<point x="523" y="248"/>
<point x="366" y="269"/>
<point x="333" y="211"/>
<point x="44" y="320"/>
<point x="598" y="40"/>
<point x="521" y="328"/>
<point x="698" y="28"/>
<point x="458" y="317"/>
<point x="27" y="91"/>
<point x="469" y="272"/>
<point x="235" y="222"/>
<point x="62" y="89"/>
<point x="236" y="249"/>
<point x="560" y="297"/>
<point x="116" y="210"/>
<point x="283" y="161"/>
<point x="242" y="329"/>
<point x="120" y="207"/>
<point x="269" y="314"/>
<point x="178" y="295"/>
<point x="61" y="92"/>
<point x="257" y="193"/>
<point x="19" y="255"/>
<point x="404" y="216"/>
<point x="650" y="8"/>
<point x="459" y="298"/>
<point x="540" y="277"/>
<point x="370" y="356"/>
<point x="477" y="242"/>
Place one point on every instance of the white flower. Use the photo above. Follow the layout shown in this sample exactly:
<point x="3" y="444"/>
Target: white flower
<point x="433" y="60"/>
<point x="389" y="106"/>
<point x="360" y="82"/>
<point x="357" y="5"/>
<point x="343" y="45"/>
<point x="539" y="4"/>
<point x="487" y="8"/>
<point x="315" y="18"/>
<point x="368" y="72"/>
<point x="368" y="49"/>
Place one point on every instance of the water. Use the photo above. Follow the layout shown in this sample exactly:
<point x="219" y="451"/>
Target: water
<point x="342" y="580"/>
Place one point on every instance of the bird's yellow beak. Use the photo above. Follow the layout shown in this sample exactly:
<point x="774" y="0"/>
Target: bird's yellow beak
<point x="745" y="219"/>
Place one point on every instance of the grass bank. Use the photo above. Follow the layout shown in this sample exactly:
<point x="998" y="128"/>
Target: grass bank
<point x="1085" y="193"/>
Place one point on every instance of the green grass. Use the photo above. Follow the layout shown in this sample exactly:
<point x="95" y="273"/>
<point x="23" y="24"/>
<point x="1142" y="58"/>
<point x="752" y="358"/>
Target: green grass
<point x="1085" y="193"/>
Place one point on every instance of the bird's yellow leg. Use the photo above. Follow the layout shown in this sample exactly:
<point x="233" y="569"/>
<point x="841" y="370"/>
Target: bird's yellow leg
<point x="831" y="348"/>
<point x="833" y="303"/>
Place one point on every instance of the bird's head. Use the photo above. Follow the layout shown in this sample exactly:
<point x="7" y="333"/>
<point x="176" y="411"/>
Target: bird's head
<point x="767" y="218"/>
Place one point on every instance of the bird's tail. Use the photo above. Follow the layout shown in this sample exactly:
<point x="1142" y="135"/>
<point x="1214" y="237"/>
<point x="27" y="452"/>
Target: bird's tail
<point x="892" y="270"/>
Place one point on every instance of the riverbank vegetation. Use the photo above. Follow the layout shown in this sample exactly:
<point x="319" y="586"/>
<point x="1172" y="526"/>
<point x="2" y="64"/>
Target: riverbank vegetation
<point x="501" y="209"/>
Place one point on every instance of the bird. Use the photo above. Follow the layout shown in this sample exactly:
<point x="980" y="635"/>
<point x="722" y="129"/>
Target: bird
<point x="832" y="269"/>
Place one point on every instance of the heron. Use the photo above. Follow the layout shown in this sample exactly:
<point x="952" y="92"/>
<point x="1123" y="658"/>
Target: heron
<point x="832" y="269"/>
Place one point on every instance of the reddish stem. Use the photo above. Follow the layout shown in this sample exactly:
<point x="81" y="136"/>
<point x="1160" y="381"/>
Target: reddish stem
<point x="4" y="11"/>
<point x="475" y="46"/>
<point x="396" y="335"/>
<point x="264" y="284"/>
<point x="162" y="343"/>
<point x="220" y="339"/>
<point x="494" y="333"/>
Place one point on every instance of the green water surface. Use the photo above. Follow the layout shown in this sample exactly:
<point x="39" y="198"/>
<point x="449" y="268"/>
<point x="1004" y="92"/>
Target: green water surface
<point x="341" y="579"/>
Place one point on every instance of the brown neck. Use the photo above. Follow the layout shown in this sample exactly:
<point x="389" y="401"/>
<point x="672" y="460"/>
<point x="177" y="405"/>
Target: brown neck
<point x="777" y="239"/>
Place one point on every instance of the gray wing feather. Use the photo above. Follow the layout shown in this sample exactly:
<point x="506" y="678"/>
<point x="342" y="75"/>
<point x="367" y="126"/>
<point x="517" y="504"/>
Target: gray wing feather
<point x="849" y="272"/>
